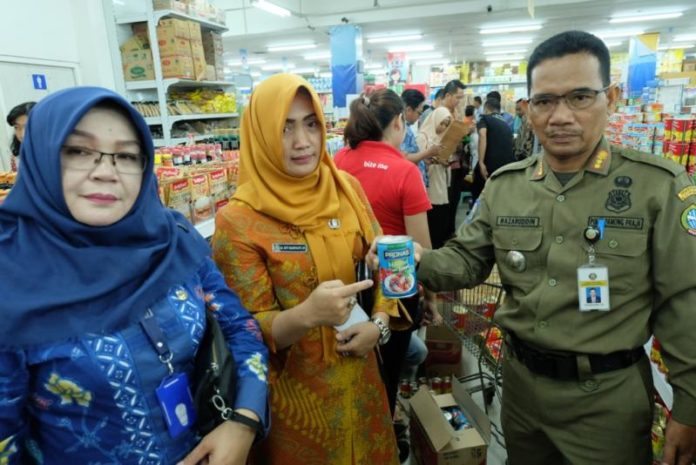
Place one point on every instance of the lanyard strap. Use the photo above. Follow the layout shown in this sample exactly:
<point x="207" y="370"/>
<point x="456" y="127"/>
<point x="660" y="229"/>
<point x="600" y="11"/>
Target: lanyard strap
<point x="156" y="337"/>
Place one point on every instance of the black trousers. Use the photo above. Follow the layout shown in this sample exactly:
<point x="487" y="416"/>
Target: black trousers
<point x="394" y="351"/>
<point x="438" y="225"/>
<point x="455" y="197"/>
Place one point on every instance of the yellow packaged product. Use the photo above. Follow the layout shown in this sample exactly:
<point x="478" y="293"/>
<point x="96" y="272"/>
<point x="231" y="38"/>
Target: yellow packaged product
<point x="179" y="196"/>
<point x="202" y="204"/>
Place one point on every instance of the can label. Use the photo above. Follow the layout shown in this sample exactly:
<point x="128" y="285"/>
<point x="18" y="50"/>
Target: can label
<point x="397" y="266"/>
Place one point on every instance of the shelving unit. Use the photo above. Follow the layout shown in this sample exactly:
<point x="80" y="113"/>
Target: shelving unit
<point x="157" y="89"/>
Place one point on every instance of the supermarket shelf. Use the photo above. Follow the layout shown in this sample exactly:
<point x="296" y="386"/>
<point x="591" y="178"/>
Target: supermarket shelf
<point x="152" y="120"/>
<point x="197" y="116"/>
<point x="158" y="142"/>
<point x="159" y="14"/>
<point x="660" y="380"/>
<point x="181" y="83"/>
<point x="206" y="228"/>
<point x="183" y="140"/>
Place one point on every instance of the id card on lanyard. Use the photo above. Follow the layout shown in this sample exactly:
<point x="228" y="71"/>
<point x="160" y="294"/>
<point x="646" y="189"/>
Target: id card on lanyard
<point x="173" y="393"/>
<point x="593" y="277"/>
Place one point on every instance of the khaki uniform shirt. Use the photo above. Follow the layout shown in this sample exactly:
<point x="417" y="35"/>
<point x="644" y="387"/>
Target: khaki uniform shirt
<point x="649" y="247"/>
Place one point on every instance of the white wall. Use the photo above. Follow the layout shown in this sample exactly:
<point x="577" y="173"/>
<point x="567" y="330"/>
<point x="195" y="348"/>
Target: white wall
<point x="55" y="33"/>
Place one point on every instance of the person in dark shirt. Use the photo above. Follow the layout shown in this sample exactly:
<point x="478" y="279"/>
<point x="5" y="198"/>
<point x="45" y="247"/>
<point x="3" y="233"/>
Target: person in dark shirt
<point x="495" y="145"/>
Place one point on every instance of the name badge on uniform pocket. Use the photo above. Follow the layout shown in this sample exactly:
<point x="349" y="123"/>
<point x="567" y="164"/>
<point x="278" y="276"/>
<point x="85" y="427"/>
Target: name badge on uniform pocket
<point x="593" y="288"/>
<point x="174" y="396"/>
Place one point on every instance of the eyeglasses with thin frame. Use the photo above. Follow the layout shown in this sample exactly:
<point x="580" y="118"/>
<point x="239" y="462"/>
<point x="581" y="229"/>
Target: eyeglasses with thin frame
<point x="578" y="99"/>
<point x="85" y="159"/>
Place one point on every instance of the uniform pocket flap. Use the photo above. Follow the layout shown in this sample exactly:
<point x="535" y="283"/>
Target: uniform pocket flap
<point x="524" y="240"/>
<point x="625" y="245"/>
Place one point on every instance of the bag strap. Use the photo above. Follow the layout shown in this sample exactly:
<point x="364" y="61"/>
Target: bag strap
<point x="157" y="339"/>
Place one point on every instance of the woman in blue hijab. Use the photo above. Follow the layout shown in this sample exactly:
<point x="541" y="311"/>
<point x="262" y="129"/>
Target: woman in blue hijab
<point x="96" y="275"/>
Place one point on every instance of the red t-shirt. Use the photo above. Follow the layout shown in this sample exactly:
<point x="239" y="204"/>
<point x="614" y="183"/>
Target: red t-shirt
<point x="393" y="185"/>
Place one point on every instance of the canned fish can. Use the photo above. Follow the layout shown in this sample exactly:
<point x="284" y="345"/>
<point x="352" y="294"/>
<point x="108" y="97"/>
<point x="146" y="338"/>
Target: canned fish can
<point x="397" y="266"/>
<point x="436" y="385"/>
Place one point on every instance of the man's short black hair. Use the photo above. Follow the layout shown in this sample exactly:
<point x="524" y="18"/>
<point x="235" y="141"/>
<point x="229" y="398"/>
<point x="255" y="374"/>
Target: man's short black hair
<point x="440" y="93"/>
<point x="452" y="86"/>
<point x="469" y="110"/>
<point x="412" y="98"/>
<point x="478" y="100"/>
<point x="494" y="94"/>
<point x="492" y="105"/>
<point x="567" y="43"/>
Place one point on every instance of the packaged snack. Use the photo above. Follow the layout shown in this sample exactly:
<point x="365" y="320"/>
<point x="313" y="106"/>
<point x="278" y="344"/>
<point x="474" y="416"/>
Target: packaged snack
<point x="179" y="196"/>
<point x="201" y="202"/>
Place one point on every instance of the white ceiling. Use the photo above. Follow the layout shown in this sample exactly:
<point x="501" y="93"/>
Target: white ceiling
<point x="452" y="27"/>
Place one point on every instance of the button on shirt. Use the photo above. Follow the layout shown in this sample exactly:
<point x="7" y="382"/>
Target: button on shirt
<point x="649" y="247"/>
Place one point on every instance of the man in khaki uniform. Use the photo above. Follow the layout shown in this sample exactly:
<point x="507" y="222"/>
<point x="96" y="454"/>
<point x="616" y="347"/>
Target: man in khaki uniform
<point x="577" y="384"/>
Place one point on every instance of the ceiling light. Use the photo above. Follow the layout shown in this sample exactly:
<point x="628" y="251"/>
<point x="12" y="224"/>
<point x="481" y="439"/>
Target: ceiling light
<point x="411" y="48"/>
<point x="647" y="17"/>
<point x="504" y="30"/>
<point x="618" y="34"/>
<point x="378" y="40"/>
<point x="288" y="47"/>
<point x="504" y="52"/>
<point x="676" y="47"/>
<point x="278" y="67"/>
<point x="317" y="56"/>
<point x="272" y="8"/>
<point x="443" y="62"/>
<point x="255" y="74"/>
<point x="685" y="38"/>
<point x="509" y="58"/>
<point x="613" y="43"/>
<point x="506" y="43"/>
<point x="325" y="74"/>
<point x="251" y="61"/>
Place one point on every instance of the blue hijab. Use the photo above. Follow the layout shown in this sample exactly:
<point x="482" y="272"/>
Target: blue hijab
<point x="61" y="279"/>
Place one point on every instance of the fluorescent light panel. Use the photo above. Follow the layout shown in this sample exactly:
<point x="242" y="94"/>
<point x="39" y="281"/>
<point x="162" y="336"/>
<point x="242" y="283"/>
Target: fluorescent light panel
<point x="506" y="29"/>
<point x="304" y="70"/>
<point x="424" y="56"/>
<point x="251" y="61"/>
<point x="326" y="74"/>
<point x="288" y="47"/>
<point x="618" y="34"/>
<point x="278" y="66"/>
<point x="510" y="58"/>
<point x="675" y="47"/>
<point x="379" y="40"/>
<point x="444" y="62"/>
<point x="506" y="43"/>
<point x="272" y="8"/>
<point x="411" y="48"/>
<point x="647" y="17"/>
<point x="613" y="43"/>
<point x="684" y="38"/>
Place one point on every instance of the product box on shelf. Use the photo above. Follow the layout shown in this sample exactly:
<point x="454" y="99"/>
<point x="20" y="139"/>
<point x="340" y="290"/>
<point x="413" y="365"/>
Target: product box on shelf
<point x="435" y="440"/>
<point x="444" y="352"/>
<point x="195" y="31"/>
<point x="198" y="57"/>
<point x="177" y="67"/>
<point x="178" y="195"/>
<point x="140" y="30"/>
<point x="135" y="43"/>
<point x="201" y="201"/>
<point x="138" y="65"/>
<point x="175" y="5"/>
<point x="172" y="27"/>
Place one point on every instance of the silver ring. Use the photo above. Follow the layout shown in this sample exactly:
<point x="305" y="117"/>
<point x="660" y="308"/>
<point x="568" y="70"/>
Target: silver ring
<point x="352" y="301"/>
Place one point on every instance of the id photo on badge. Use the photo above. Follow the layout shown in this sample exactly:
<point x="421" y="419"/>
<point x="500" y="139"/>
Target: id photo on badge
<point x="593" y="288"/>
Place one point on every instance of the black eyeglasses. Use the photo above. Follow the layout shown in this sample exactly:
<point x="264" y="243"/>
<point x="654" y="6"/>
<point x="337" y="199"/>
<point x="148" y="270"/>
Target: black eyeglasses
<point x="81" y="158"/>
<point x="578" y="99"/>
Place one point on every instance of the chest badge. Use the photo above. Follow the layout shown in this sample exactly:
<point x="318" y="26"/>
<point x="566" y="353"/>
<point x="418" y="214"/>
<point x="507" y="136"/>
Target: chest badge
<point x="688" y="220"/>
<point x="623" y="181"/>
<point x="619" y="201"/>
<point x="516" y="260"/>
<point x="334" y="223"/>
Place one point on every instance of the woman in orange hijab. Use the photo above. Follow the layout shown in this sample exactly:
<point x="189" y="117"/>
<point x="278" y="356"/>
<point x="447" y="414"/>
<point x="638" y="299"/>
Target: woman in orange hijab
<point x="288" y="243"/>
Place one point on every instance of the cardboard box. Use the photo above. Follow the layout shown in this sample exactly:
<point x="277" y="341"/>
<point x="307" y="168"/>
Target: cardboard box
<point x="195" y="31"/>
<point x="177" y="67"/>
<point x="138" y="66"/>
<point x="172" y="27"/>
<point x="210" y="74"/>
<point x="198" y="57"/>
<point x="134" y="44"/>
<point x="433" y="439"/>
<point x="176" y="5"/>
<point x="174" y="46"/>
<point x="444" y="352"/>
<point x="140" y="30"/>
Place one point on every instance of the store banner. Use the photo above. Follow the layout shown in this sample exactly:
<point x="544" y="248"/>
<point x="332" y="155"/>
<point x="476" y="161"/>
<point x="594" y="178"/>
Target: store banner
<point x="642" y="62"/>
<point x="346" y="52"/>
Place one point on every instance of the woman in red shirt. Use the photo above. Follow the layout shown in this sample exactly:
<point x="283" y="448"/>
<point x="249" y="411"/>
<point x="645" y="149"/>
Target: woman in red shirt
<point x="396" y="192"/>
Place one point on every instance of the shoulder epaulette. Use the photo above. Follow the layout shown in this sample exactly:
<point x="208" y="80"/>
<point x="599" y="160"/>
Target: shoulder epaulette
<point x="649" y="159"/>
<point x="516" y="166"/>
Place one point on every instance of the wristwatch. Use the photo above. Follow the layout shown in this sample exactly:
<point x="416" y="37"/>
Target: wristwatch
<point x="384" y="331"/>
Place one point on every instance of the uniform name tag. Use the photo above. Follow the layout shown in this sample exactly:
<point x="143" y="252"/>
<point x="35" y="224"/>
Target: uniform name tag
<point x="175" y="399"/>
<point x="618" y="222"/>
<point x="289" y="248"/>
<point x="518" y="221"/>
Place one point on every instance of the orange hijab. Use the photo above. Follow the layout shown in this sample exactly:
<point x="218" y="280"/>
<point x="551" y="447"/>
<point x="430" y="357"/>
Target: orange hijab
<point x="312" y="203"/>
